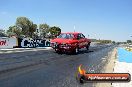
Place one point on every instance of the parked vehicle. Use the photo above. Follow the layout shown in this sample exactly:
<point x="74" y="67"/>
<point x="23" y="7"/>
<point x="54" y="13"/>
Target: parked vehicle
<point x="70" y="42"/>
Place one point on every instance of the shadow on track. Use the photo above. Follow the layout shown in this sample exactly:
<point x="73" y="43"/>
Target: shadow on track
<point x="85" y="51"/>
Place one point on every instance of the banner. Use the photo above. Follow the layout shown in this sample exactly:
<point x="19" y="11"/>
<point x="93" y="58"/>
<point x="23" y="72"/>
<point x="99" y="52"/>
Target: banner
<point x="32" y="43"/>
<point x="6" y="42"/>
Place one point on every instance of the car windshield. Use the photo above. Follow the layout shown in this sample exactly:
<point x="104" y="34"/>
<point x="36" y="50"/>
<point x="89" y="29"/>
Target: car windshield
<point x="66" y="36"/>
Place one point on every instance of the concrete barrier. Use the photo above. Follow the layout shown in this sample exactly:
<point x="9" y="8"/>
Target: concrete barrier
<point x="6" y="42"/>
<point x="32" y="43"/>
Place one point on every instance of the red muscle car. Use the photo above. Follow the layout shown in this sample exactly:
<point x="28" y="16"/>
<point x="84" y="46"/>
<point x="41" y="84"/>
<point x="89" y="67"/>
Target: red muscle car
<point x="70" y="42"/>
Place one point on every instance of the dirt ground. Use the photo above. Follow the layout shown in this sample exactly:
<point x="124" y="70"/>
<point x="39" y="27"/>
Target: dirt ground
<point x="109" y="67"/>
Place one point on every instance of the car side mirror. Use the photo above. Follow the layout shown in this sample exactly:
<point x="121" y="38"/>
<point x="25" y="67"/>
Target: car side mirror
<point x="78" y="37"/>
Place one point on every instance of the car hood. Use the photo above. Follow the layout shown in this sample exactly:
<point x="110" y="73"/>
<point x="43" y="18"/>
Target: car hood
<point x="60" y="40"/>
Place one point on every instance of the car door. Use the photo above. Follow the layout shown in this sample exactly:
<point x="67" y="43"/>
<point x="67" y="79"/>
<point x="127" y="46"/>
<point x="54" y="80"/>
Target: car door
<point x="84" y="41"/>
<point x="81" y="40"/>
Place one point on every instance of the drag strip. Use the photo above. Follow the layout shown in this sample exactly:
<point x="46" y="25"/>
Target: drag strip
<point x="54" y="69"/>
<point x="19" y="59"/>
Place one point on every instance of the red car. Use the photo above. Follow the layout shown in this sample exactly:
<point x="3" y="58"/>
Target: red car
<point x="70" y="42"/>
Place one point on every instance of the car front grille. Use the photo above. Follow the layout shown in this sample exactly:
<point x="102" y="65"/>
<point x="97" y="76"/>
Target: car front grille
<point x="62" y="45"/>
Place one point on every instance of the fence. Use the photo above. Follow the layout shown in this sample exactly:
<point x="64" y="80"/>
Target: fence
<point x="23" y="43"/>
<point x="31" y="43"/>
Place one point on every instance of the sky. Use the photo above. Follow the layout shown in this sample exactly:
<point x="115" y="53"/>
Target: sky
<point x="100" y="19"/>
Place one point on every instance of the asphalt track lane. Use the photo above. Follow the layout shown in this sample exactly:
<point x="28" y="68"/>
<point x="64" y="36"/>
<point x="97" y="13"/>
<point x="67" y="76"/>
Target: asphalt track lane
<point x="59" y="70"/>
<point x="12" y="58"/>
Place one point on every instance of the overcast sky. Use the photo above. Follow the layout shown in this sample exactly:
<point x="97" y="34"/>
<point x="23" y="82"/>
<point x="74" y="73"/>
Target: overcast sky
<point x="100" y="19"/>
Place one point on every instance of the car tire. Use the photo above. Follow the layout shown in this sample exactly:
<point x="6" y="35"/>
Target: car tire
<point x="88" y="45"/>
<point x="57" y="51"/>
<point x="76" y="51"/>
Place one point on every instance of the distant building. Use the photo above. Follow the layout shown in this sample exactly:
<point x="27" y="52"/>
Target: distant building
<point x="93" y="40"/>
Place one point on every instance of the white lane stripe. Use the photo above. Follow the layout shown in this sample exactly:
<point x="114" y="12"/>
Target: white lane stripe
<point x="24" y="50"/>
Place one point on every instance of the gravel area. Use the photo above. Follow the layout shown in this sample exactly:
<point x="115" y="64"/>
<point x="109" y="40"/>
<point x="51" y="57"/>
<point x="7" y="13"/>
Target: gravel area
<point x="122" y="67"/>
<point x="114" y="66"/>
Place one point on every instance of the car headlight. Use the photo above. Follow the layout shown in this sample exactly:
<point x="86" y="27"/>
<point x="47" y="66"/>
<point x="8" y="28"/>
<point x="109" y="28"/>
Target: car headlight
<point x="56" y="44"/>
<point x="52" y="44"/>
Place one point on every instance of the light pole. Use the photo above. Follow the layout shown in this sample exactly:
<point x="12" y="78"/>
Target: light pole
<point x="74" y="27"/>
<point x="88" y="36"/>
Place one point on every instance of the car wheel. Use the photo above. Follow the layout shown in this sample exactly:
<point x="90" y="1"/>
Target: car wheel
<point x="88" y="45"/>
<point x="76" y="51"/>
<point x="57" y="51"/>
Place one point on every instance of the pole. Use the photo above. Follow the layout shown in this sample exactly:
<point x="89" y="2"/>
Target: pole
<point x="88" y="36"/>
<point x="74" y="28"/>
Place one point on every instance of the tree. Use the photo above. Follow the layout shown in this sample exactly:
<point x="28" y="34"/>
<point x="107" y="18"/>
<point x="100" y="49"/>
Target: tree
<point x="28" y="27"/>
<point x="44" y="29"/>
<point x="2" y="33"/>
<point x="104" y="41"/>
<point x="14" y="30"/>
<point x="25" y="24"/>
<point x="129" y="41"/>
<point x="113" y="42"/>
<point x="32" y="29"/>
<point x="54" y="31"/>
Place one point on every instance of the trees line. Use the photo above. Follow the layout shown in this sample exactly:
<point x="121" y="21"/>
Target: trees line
<point x="26" y="28"/>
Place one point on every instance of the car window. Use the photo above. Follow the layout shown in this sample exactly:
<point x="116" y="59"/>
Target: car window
<point x="62" y="36"/>
<point x="82" y="36"/>
<point x="66" y="36"/>
<point x="78" y="36"/>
